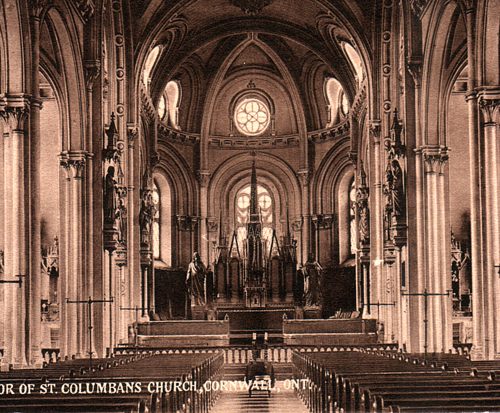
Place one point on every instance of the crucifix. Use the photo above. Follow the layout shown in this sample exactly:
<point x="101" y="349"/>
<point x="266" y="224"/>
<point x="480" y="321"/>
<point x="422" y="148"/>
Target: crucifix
<point x="426" y="295"/>
<point x="136" y="309"/>
<point x="89" y="303"/>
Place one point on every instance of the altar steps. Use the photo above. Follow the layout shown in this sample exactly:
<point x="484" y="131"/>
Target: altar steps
<point x="282" y="401"/>
<point x="282" y="371"/>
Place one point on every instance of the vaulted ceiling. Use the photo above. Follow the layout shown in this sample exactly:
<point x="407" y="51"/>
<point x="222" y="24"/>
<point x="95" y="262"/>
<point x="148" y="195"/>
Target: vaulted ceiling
<point x="297" y="42"/>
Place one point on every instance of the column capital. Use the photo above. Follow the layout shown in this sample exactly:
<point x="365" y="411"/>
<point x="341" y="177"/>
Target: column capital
<point x="16" y="116"/>
<point x="418" y="7"/>
<point x="489" y="108"/>
<point x="132" y="133"/>
<point x="353" y="157"/>
<point x="39" y="8"/>
<point x="414" y="66"/>
<point x="203" y="176"/>
<point x="323" y="221"/>
<point x="435" y="157"/>
<point x="73" y="162"/>
<point x="375" y="129"/>
<point x="92" y="72"/>
<point x="304" y="176"/>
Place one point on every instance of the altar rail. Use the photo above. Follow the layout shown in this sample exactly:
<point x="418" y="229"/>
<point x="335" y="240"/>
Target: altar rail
<point x="243" y="354"/>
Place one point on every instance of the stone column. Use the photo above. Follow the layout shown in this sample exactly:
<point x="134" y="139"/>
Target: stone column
<point x="304" y="176"/>
<point x="35" y="355"/>
<point x="7" y="289"/>
<point x="92" y="72"/>
<point x="15" y="240"/>
<point x="203" y="179"/>
<point x="414" y="305"/>
<point x="132" y="278"/>
<point x="74" y="162"/>
<point x="439" y="306"/>
<point x="478" y="310"/>
<point x="376" y="233"/>
<point x="490" y="109"/>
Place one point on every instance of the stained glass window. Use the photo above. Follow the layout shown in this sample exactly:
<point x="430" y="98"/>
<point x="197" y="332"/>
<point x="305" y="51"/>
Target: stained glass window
<point x="162" y="108"/>
<point x="266" y="210"/>
<point x="150" y="62"/>
<point x="173" y="92"/>
<point x="251" y="117"/>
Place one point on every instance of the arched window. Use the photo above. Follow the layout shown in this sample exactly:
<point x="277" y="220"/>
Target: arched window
<point x="352" y="219"/>
<point x="162" y="222"/>
<point x="355" y="60"/>
<point x="150" y="62"/>
<point x="334" y="92"/>
<point x="156" y="222"/>
<point x="242" y="213"/>
<point x="162" y="107"/>
<point x="173" y="93"/>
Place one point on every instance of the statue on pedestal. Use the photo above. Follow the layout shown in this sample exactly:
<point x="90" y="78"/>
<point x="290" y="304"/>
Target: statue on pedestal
<point x="196" y="280"/>
<point x="110" y="197"/>
<point x="312" y="273"/>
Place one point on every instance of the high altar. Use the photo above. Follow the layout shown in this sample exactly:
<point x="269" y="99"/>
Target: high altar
<point x="258" y="274"/>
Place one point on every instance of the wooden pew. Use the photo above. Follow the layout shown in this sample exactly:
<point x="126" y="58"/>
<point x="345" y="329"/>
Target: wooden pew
<point x="385" y="382"/>
<point x="145" y="368"/>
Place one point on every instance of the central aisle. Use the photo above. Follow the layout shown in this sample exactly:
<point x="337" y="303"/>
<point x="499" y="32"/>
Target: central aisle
<point x="282" y="401"/>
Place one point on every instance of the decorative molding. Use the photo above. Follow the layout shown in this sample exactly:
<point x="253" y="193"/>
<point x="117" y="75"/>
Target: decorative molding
<point x="269" y="142"/>
<point x="147" y="107"/>
<point x="340" y="130"/>
<point x="251" y="7"/>
<point x="359" y="104"/>
<point x="169" y="134"/>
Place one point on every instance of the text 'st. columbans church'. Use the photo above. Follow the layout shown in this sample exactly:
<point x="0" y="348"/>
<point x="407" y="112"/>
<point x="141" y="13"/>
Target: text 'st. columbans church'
<point x="190" y="188"/>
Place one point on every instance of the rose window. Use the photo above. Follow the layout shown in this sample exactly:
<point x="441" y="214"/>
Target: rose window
<point x="251" y="117"/>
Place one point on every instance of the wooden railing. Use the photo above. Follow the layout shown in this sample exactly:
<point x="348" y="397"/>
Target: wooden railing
<point x="244" y="354"/>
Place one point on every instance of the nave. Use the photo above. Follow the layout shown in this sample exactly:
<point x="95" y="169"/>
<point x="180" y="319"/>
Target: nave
<point x="189" y="187"/>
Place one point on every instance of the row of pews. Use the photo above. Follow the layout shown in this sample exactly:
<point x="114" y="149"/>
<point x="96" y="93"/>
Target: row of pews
<point x="140" y="383"/>
<point x="387" y="381"/>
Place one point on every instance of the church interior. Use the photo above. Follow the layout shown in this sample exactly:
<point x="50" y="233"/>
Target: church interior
<point x="191" y="187"/>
